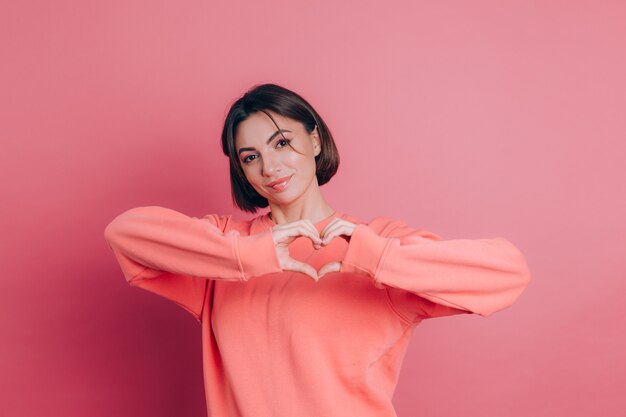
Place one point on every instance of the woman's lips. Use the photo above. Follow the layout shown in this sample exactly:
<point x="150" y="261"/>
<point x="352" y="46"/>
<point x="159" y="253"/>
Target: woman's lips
<point x="281" y="185"/>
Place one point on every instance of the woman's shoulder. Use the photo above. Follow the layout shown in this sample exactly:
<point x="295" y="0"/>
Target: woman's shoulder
<point x="379" y="223"/>
<point x="389" y="226"/>
<point x="229" y="222"/>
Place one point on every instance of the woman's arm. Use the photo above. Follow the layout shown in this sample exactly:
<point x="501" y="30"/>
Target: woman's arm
<point x="178" y="257"/>
<point x="150" y="240"/>
<point x="479" y="276"/>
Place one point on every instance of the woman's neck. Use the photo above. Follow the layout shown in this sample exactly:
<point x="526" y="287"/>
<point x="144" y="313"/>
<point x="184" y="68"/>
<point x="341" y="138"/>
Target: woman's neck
<point x="281" y="215"/>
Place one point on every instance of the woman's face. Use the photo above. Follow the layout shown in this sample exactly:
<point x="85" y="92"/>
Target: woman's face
<point x="265" y="156"/>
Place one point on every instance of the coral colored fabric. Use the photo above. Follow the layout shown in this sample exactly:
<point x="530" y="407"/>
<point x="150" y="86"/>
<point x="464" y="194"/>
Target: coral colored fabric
<point x="276" y="343"/>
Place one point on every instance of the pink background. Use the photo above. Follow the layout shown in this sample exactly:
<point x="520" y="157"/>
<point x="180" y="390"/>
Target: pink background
<point x="468" y="119"/>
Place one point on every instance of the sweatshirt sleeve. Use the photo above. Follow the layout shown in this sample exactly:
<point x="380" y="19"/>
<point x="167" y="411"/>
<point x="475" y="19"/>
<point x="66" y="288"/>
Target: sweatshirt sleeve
<point x="174" y="255"/>
<point x="479" y="276"/>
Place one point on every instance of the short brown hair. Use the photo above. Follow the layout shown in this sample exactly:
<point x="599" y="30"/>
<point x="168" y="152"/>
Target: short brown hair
<point x="285" y="102"/>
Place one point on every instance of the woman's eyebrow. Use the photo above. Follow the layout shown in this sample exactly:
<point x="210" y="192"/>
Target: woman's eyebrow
<point x="267" y="142"/>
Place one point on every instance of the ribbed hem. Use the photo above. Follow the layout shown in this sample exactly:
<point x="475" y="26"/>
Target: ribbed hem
<point x="256" y="254"/>
<point x="365" y="253"/>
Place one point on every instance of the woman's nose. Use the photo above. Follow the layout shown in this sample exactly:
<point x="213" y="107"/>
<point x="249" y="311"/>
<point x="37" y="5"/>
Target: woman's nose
<point x="270" y="166"/>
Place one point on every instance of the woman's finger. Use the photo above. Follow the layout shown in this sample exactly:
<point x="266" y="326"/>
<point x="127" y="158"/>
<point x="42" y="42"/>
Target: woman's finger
<point x="317" y="241"/>
<point x="312" y="235"/>
<point x="287" y="234"/>
<point x="304" y="227"/>
<point x="329" y="226"/>
<point x="338" y="230"/>
<point x="305" y="268"/>
<point x="336" y="224"/>
<point x="329" y="267"/>
<point x="311" y="227"/>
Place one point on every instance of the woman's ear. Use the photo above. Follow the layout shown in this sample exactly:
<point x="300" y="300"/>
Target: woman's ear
<point x="315" y="138"/>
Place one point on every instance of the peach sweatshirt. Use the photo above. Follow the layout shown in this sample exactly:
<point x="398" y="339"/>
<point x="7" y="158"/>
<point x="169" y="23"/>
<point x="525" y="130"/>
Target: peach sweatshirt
<point x="278" y="344"/>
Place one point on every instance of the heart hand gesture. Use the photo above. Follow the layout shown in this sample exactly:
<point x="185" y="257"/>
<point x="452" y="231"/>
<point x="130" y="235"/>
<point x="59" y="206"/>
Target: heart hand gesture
<point x="336" y="227"/>
<point x="284" y="234"/>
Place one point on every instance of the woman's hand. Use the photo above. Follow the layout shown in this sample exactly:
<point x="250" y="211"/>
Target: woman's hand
<point x="336" y="227"/>
<point x="286" y="233"/>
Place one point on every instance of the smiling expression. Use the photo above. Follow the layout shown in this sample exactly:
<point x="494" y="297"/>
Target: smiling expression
<point x="266" y="155"/>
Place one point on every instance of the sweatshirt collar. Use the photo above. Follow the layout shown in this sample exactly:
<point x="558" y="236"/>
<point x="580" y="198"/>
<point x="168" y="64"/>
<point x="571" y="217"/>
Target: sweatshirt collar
<point x="269" y="223"/>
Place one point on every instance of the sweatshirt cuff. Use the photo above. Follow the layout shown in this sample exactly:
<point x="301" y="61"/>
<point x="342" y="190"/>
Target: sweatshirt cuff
<point x="366" y="252"/>
<point x="256" y="254"/>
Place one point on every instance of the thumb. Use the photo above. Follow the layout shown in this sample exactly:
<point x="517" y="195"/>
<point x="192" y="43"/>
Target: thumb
<point x="329" y="267"/>
<point x="305" y="269"/>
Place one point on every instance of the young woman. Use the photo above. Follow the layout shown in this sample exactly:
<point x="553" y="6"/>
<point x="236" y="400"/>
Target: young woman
<point x="305" y="311"/>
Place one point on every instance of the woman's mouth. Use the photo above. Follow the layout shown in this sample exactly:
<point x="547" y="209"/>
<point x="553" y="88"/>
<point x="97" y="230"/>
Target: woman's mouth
<point x="281" y="185"/>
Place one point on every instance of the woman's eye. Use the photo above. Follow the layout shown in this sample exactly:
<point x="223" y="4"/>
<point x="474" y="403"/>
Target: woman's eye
<point x="246" y="159"/>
